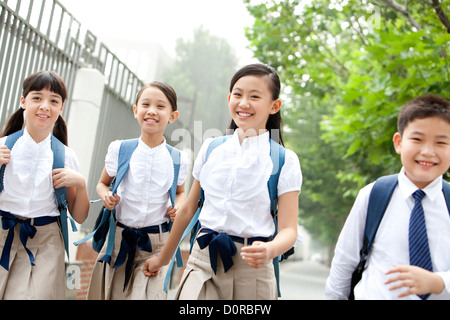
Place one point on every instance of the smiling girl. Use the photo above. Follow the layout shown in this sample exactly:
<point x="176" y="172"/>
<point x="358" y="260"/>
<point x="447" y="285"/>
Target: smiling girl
<point x="141" y="203"/>
<point x="236" y="212"/>
<point x="33" y="262"/>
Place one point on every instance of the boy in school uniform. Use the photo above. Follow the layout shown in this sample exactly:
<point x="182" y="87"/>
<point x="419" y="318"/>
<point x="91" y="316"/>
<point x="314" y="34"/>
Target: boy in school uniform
<point x="423" y="143"/>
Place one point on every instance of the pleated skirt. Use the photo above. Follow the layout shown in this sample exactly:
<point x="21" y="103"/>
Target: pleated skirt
<point x="43" y="281"/>
<point x="107" y="283"/>
<point x="240" y="282"/>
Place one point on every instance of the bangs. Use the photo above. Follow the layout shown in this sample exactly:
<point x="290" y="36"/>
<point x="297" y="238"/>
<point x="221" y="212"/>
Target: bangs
<point x="45" y="80"/>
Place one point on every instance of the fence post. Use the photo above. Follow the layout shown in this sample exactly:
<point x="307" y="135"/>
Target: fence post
<point x="84" y="115"/>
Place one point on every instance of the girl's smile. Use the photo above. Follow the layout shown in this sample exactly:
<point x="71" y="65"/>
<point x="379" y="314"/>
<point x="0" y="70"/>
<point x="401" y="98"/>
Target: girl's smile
<point x="251" y="104"/>
<point x="153" y="111"/>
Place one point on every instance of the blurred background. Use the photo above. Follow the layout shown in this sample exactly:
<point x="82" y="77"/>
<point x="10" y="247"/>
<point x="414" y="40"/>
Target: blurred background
<point x="346" y="68"/>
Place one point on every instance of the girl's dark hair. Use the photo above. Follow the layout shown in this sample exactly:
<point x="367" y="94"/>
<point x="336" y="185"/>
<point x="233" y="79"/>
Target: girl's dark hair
<point x="168" y="91"/>
<point x="425" y="106"/>
<point x="274" y="122"/>
<point x="37" y="81"/>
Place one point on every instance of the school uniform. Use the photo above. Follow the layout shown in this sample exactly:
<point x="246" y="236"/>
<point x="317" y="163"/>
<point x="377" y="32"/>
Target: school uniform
<point x="28" y="195"/>
<point x="144" y="200"/>
<point x="237" y="203"/>
<point x="391" y="244"/>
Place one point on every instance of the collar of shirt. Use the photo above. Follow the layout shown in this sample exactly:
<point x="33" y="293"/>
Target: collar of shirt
<point x="407" y="188"/>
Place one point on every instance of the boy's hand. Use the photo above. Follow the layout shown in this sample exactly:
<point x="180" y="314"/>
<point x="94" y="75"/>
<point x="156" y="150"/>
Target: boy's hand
<point x="5" y="155"/>
<point x="418" y="280"/>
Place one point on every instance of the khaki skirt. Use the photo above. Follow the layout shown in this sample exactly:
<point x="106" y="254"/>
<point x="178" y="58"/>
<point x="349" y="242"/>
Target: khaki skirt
<point x="107" y="283"/>
<point x="43" y="281"/>
<point x="240" y="282"/>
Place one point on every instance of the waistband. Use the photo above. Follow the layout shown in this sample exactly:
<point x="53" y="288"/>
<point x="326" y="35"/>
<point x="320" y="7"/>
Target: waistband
<point x="133" y="238"/>
<point x="223" y="244"/>
<point x="27" y="230"/>
<point x="160" y="228"/>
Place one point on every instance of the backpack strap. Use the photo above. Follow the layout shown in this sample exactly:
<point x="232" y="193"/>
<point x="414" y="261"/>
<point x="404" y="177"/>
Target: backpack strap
<point x="176" y="160"/>
<point x="126" y="150"/>
<point x="446" y="191"/>
<point x="379" y="198"/>
<point x="277" y="155"/>
<point x="10" y="141"/>
<point x="58" y="149"/>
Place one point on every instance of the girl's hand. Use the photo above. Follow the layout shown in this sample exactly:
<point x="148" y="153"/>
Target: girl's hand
<point x="172" y="212"/>
<point x="152" y="267"/>
<point x="66" y="177"/>
<point x="257" y="254"/>
<point x="5" y="155"/>
<point x="418" y="281"/>
<point x="110" y="201"/>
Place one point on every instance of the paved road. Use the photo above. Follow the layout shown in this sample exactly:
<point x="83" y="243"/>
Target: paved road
<point x="303" y="280"/>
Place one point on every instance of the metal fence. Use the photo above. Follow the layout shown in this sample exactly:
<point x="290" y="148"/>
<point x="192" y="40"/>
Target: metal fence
<point x="35" y="36"/>
<point x="42" y="35"/>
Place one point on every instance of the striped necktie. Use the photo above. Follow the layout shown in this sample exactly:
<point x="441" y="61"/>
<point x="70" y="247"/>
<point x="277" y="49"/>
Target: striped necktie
<point x="419" y="251"/>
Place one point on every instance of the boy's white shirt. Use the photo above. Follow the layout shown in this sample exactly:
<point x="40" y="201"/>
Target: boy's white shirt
<point x="391" y="242"/>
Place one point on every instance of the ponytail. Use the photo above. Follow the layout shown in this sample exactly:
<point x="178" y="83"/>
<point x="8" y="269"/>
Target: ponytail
<point x="14" y="123"/>
<point x="60" y="130"/>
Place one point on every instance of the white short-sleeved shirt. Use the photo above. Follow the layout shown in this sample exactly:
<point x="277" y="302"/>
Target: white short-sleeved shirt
<point x="234" y="180"/>
<point x="143" y="192"/>
<point x="28" y="188"/>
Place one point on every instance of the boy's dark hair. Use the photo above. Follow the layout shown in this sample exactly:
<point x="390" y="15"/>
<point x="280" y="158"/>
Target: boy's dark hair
<point x="37" y="81"/>
<point x="258" y="69"/>
<point x="425" y="106"/>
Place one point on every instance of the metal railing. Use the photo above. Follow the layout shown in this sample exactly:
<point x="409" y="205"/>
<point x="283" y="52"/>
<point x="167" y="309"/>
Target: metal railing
<point x="35" y="35"/>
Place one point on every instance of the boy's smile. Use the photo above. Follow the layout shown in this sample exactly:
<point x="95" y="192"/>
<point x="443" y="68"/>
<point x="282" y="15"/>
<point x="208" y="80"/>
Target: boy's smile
<point x="424" y="148"/>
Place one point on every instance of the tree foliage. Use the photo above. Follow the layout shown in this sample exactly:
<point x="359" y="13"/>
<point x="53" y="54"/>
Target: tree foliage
<point x="347" y="68"/>
<point x="201" y="73"/>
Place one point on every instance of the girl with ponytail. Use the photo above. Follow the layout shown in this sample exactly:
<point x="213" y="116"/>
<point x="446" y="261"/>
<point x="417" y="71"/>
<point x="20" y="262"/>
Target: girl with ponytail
<point x="31" y="245"/>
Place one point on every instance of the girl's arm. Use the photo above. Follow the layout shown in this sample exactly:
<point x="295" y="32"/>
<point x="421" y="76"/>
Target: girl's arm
<point x="259" y="253"/>
<point x="104" y="191"/>
<point x="76" y="191"/>
<point x="179" y="200"/>
<point x="184" y="216"/>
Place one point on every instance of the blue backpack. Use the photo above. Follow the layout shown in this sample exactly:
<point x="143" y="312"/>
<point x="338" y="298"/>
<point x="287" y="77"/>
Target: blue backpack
<point x="378" y="201"/>
<point x="106" y="221"/>
<point x="277" y="154"/>
<point x="58" y="150"/>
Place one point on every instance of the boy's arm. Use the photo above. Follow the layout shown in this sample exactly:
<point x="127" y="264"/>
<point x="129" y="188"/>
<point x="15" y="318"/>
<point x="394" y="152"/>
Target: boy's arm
<point x="346" y="255"/>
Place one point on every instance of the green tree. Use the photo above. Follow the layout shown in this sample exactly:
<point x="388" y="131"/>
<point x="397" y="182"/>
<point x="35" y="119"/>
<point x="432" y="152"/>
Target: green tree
<point x="347" y="67"/>
<point x="201" y="75"/>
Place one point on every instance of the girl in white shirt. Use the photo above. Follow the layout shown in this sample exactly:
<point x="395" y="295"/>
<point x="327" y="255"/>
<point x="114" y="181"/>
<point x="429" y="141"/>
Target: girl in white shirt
<point x="142" y="199"/>
<point x="36" y="268"/>
<point x="237" y="204"/>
